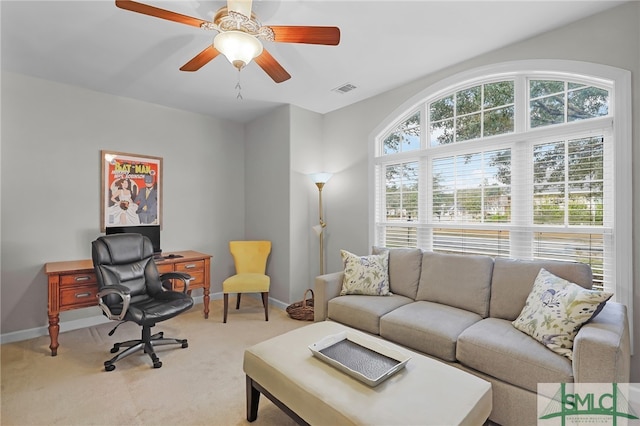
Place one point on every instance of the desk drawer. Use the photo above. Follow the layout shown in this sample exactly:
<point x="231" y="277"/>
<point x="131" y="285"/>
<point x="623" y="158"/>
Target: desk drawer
<point x="163" y="268"/>
<point x="78" y="296"/>
<point x="78" y="279"/>
<point x="195" y="269"/>
<point x="196" y="282"/>
<point x="198" y="279"/>
<point x="190" y="267"/>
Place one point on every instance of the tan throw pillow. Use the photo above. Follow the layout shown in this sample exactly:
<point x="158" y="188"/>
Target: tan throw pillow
<point x="367" y="275"/>
<point x="556" y="309"/>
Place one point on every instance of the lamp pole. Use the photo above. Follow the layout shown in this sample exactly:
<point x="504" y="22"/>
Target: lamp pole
<point x="320" y="185"/>
<point x="320" y="179"/>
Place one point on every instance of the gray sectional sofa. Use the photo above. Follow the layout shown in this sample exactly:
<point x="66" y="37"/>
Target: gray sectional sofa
<point x="459" y="309"/>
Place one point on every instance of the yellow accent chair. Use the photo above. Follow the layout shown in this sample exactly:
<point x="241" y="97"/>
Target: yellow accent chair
<point x="250" y="258"/>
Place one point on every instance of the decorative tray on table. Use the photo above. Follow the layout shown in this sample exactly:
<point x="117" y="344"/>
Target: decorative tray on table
<point x="360" y="357"/>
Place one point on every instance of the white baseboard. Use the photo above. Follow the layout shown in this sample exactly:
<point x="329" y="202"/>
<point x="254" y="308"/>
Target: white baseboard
<point x="273" y="302"/>
<point x="32" y="333"/>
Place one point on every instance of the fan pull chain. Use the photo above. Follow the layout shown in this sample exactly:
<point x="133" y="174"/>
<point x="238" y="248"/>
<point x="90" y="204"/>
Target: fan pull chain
<point x="239" y="88"/>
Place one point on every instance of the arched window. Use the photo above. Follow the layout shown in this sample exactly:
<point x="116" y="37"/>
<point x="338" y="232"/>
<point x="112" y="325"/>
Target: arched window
<point x="527" y="159"/>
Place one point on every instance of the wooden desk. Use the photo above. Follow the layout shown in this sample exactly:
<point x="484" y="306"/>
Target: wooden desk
<point x="73" y="284"/>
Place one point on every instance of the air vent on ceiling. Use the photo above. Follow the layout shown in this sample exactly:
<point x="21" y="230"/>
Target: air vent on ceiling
<point x="347" y="87"/>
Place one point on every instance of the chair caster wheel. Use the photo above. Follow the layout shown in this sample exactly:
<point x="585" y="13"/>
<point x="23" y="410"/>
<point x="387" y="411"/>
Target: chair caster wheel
<point x="157" y="364"/>
<point x="109" y="367"/>
<point x="115" y="349"/>
<point x="185" y="344"/>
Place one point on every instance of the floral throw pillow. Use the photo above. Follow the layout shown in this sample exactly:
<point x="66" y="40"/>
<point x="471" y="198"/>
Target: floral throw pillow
<point x="367" y="275"/>
<point x="556" y="309"/>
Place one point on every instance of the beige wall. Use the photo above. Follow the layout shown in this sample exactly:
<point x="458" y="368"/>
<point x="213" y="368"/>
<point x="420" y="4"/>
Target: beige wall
<point x="281" y="201"/>
<point x="267" y="193"/>
<point x="52" y="135"/>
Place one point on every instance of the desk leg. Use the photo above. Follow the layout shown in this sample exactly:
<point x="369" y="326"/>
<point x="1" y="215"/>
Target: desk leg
<point x="207" y="286"/>
<point x="53" y="311"/>
<point x="54" y="330"/>
<point x="206" y="302"/>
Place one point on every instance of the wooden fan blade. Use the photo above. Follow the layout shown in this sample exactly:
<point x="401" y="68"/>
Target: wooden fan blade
<point x="308" y="35"/>
<point x="159" y="13"/>
<point x="272" y="67"/>
<point x="201" y="59"/>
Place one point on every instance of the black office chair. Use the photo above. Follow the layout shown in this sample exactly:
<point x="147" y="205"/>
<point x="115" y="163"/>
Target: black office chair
<point x="131" y="289"/>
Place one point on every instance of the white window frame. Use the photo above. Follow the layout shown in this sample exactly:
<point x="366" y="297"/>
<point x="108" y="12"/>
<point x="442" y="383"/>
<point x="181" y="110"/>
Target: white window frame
<point x="621" y="131"/>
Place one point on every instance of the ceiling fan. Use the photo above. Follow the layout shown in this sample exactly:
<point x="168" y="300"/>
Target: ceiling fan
<point x="240" y="34"/>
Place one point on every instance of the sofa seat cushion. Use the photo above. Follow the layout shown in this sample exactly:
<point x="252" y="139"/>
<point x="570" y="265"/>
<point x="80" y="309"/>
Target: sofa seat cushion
<point x="428" y="327"/>
<point x="363" y="312"/>
<point x="494" y="347"/>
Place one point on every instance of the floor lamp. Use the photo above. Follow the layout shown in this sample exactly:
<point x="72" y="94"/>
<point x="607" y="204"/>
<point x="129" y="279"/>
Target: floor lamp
<point x="320" y="179"/>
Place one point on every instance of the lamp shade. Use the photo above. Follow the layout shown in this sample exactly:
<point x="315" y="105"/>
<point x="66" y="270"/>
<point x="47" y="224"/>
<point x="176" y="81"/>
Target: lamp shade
<point x="239" y="47"/>
<point x="322" y="177"/>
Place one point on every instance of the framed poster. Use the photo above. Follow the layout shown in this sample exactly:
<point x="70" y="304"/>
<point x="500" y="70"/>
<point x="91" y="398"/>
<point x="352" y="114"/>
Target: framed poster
<point x="131" y="190"/>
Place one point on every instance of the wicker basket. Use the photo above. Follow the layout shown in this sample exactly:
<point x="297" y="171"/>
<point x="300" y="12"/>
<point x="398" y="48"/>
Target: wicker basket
<point x="302" y="310"/>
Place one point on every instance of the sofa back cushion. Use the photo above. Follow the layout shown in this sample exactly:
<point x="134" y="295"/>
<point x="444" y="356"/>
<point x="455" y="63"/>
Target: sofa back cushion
<point x="459" y="280"/>
<point x="513" y="280"/>
<point x="404" y="269"/>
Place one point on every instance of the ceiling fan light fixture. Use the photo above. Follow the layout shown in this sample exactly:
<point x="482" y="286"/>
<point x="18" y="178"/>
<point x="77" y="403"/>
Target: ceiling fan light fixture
<point x="239" y="47"/>
<point x="240" y="35"/>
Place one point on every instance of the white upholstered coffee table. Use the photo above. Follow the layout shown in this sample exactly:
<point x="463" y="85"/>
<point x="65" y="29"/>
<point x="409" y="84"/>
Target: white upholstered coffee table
<point x="425" y="392"/>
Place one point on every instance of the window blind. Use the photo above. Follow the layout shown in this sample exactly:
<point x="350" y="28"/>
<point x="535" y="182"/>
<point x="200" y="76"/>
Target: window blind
<point x="520" y="167"/>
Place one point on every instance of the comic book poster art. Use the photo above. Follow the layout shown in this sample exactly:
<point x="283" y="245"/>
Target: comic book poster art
<point x="131" y="190"/>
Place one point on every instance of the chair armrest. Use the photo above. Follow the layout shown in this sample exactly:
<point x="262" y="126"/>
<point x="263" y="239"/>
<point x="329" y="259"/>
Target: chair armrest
<point x="186" y="278"/>
<point x="326" y="288"/>
<point x="121" y="291"/>
<point x="601" y="349"/>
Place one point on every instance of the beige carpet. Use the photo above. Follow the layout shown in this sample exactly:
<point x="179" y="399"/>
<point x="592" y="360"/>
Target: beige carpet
<point x="202" y="384"/>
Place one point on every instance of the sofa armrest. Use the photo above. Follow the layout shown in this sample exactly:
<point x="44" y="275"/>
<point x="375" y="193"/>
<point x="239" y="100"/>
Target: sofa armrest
<point x="601" y="349"/>
<point x="327" y="287"/>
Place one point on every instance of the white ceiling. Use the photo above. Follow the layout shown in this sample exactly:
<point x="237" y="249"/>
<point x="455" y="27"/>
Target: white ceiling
<point x="384" y="44"/>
